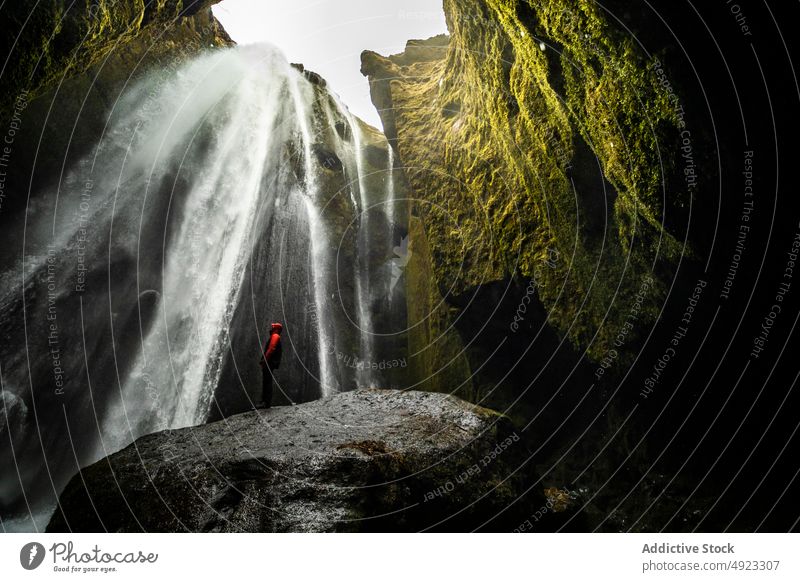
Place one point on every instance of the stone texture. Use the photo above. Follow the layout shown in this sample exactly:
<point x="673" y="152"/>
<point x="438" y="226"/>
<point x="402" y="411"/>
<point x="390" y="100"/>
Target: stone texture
<point x="371" y="460"/>
<point x="539" y="130"/>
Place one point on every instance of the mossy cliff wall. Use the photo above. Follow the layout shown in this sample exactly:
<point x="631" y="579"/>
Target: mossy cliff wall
<point x="54" y="40"/>
<point x="67" y="64"/>
<point x="541" y="147"/>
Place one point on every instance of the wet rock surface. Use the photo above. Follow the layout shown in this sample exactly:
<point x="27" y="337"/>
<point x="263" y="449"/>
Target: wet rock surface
<point x="371" y="460"/>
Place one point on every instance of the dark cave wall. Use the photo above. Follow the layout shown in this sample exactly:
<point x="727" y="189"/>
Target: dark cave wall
<point x="517" y="154"/>
<point x="550" y="209"/>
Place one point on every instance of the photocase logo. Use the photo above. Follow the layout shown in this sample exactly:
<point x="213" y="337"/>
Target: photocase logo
<point x="400" y="261"/>
<point x="31" y="555"/>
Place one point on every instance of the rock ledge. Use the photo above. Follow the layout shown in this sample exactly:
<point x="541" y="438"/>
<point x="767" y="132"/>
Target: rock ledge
<point x="371" y="460"/>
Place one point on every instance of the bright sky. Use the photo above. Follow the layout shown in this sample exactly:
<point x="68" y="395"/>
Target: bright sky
<point x="327" y="36"/>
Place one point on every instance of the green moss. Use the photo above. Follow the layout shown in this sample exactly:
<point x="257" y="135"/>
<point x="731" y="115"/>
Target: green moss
<point x="437" y="361"/>
<point x="55" y="39"/>
<point x="493" y="136"/>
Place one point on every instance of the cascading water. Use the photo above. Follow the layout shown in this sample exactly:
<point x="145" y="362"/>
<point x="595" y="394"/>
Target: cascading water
<point x="302" y="96"/>
<point x="365" y="377"/>
<point x="218" y="200"/>
<point x="390" y="195"/>
<point x="204" y="263"/>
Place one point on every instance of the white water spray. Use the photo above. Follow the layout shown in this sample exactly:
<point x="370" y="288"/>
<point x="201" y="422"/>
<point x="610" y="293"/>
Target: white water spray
<point x="202" y="214"/>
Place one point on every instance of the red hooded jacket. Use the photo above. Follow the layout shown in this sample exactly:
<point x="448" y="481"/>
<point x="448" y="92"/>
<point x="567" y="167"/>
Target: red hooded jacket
<point x="272" y="355"/>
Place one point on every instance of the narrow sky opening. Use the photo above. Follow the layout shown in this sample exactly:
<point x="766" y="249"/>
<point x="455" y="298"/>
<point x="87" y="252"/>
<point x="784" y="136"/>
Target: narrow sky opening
<point x="328" y="36"/>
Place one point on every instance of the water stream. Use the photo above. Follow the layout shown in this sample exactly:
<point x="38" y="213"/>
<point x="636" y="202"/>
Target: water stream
<point x="223" y="195"/>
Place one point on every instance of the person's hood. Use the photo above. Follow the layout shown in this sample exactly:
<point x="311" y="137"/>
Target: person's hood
<point x="277" y="328"/>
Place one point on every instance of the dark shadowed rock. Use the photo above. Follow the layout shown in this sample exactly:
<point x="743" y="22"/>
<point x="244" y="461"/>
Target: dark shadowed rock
<point x="327" y="158"/>
<point x="312" y="77"/>
<point x="370" y="460"/>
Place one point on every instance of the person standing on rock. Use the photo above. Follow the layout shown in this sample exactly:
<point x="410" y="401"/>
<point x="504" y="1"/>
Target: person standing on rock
<point x="270" y="360"/>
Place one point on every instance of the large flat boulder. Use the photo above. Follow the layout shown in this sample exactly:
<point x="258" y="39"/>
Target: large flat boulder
<point x="372" y="460"/>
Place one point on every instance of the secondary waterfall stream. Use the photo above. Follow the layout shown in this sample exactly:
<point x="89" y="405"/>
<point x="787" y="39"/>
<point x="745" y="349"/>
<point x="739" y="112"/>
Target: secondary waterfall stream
<point x="226" y="193"/>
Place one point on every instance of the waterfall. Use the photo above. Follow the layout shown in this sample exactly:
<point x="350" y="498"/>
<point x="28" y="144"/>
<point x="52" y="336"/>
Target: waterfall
<point x="390" y="219"/>
<point x="204" y="264"/>
<point x="390" y="202"/>
<point x="328" y="383"/>
<point x="371" y="195"/>
<point x="362" y="278"/>
<point x="215" y="202"/>
<point x="302" y="97"/>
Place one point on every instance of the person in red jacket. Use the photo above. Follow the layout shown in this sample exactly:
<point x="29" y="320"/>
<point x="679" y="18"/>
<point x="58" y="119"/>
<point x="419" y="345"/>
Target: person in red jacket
<point x="270" y="360"/>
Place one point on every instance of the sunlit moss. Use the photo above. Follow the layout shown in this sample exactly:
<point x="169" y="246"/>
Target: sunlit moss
<point x="492" y="135"/>
<point x="55" y="39"/>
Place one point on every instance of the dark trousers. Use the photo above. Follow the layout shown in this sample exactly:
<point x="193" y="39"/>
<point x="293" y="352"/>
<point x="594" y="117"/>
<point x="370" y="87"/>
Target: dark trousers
<point x="266" y="386"/>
